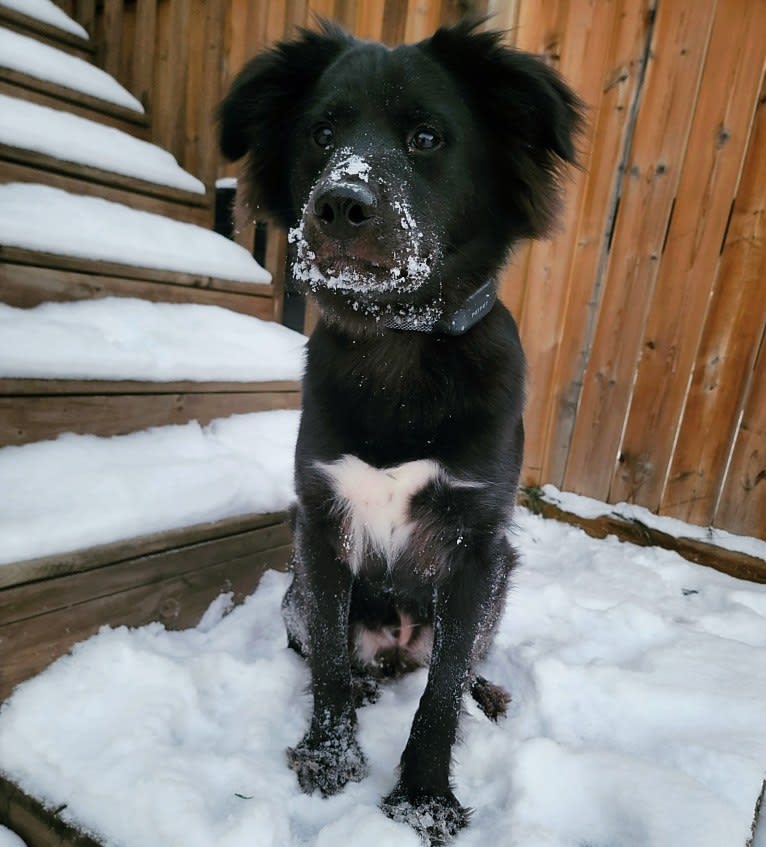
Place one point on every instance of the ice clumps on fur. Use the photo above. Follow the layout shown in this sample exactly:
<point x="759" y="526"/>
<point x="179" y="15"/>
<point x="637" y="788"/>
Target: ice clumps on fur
<point x="408" y="273"/>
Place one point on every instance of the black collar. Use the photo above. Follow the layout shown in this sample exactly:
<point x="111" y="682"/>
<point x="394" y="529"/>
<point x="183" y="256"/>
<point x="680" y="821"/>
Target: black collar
<point x="475" y="307"/>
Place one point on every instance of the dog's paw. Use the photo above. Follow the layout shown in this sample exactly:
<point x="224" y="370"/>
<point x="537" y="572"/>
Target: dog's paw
<point x="490" y="698"/>
<point x="436" y="819"/>
<point x="327" y="766"/>
<point x="364" y="691"/>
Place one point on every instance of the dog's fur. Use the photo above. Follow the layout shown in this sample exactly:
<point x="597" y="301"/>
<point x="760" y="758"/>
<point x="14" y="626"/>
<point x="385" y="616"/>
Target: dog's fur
<point x="405" y="176"/>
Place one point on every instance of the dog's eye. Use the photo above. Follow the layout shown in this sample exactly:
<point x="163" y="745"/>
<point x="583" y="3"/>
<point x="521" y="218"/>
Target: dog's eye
<point x="323" y="135"/>
<point x="424" y="139"/>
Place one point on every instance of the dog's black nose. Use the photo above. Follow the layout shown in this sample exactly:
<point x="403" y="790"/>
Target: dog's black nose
<point x="343" y="207"/>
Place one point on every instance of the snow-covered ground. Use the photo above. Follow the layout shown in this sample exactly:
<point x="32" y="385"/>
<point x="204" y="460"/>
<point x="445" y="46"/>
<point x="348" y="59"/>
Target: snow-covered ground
<point x="80" y="490"/>
<point x="124" y="338"/>
<point x="74" y="139"/>
<point x="29" y="56"/>
<point x="637" y="718"/>
<point x="71" y="225"/>
<point x="47" y="12"/>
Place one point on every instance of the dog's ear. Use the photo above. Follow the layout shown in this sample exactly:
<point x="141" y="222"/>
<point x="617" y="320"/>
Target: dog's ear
<point x="258" y="114"/>
<point x="529" y="116"/>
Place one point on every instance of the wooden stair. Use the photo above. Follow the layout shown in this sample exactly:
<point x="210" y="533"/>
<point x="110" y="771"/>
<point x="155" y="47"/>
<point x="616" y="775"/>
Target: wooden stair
<point x="46" y="33"/>
<point x="46" y="605"/>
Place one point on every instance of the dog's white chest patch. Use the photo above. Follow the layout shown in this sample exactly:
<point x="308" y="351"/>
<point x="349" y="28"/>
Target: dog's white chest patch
<point x="375" y="504"/>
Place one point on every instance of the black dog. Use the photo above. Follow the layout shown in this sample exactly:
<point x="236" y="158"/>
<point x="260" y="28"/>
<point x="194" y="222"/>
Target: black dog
<point x="405" y="176"/>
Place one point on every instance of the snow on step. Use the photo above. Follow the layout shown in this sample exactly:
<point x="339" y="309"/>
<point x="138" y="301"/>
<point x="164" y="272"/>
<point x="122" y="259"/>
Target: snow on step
<point x="47" y="12"/>
<point x="80" y="490"/>
<point x="38" y="217"/>
<point x="74" y="139"/>
<point x="123" y="338"/>
<point x="25" y="55"/>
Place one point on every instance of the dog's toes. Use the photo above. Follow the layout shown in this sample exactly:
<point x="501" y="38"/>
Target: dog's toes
<point x="436" y="819"/>
<point x="490" y="698"/>
<point x="364" y="691"/>
<point x="327" y="766"/>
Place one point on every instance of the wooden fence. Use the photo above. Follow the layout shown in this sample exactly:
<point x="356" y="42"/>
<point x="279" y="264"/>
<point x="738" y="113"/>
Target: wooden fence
<point x="644" y="319"/>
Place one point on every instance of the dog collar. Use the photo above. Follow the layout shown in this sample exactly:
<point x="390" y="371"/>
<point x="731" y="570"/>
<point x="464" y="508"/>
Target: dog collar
<point x="475" y="307"/>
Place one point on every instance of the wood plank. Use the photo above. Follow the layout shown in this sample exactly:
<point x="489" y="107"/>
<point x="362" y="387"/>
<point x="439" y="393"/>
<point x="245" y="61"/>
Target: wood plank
<point x="577" y="42"/>
<point x="742" y="503"/>
<point x="110" y="40"/>
<point x="423" y="18"/>
<point x="369" y="20"/>
<point x="172" y="67"/>
<point x="20" y="165"/>
<point x="37" y="825"/>
<point x="729" y="562"/>
<point x="176" y="600"/>
<point x="18" y="255"/>
<point x="91" y="558"/>
<point x="21" y="387"/>
<point x="144" y="48"/>
<point x="25" y="286"/>
<point x="69" y="42"/>
<point x="610" y="110"/>
<point x="85" y="14"/>
<point x="394" y="22"/>
<point x="717" y="143"/>
<point x="734" y="329"/>
<point x="34" y="599"/>
<point x="25" y="419"/>
<point x="56" y="96"/>
<point x="679" y="46"/>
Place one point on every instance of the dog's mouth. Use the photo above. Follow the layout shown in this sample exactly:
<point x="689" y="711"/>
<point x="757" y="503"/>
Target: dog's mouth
<point x="323" y="265"/>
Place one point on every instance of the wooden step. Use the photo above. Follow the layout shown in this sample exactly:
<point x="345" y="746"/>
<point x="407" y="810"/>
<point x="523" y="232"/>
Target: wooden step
<point x="20" y="165"/>
<point x="49" y="604"/>
<point x="41" y="409"/>
<point x="46" y="33"/>
<point x="28" y="278"/>
<point x="60" y="80"/>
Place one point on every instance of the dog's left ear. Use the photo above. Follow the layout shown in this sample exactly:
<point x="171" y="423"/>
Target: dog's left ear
<point x="529" y="115"/>
<point x="257" y="116"/>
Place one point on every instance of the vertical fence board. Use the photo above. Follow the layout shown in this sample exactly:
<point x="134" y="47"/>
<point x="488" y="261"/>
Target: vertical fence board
<point x="736" y="323"/>
<point x="609" y="115"/>
<point x="679" y="45"/>
<point x="712" y="165"/>
<point x="742" y="506"/>
<point x="110" y="38"/>
<point x="579" y="45"/>
<point x="144" y="49"/>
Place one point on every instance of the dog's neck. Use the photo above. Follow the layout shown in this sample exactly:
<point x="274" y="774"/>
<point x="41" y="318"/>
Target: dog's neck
<point x="457" y="322"/>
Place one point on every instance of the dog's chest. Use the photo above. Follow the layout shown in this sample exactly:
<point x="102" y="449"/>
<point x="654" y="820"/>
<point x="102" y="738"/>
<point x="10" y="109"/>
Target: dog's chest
<point x="374" y="504"/>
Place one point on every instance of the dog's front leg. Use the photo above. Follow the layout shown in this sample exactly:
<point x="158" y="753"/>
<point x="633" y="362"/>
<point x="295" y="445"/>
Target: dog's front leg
<point x="328" y="756"/>
<point x="423" y="797"/>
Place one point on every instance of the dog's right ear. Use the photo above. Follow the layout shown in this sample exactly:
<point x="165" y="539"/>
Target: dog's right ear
<point x="257" y="115"/>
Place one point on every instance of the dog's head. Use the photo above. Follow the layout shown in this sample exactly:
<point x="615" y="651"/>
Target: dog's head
<point x="404" y="176"/>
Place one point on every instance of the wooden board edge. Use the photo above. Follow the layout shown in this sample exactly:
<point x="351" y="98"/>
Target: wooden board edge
<point x="36" y="824"/>
<point x="94" y="174"/>
<point x="91" y="558"/>
<point x="39" y="387"/>
<point x="730" y="562"/>
<point x="21" y="256"/>
<point x="36" y="28"/>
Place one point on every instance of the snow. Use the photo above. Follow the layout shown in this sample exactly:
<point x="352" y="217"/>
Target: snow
<point x="637" y="718"/>
<point x="9" y="839"/>
<point x="80" y="490"/>
<point x="49" y="13"/>
<point x="28" y="56"/>
<point x="123" y="338"/>
<point x="226" y="182"/>
<point x="75" y="139"/>
<point x="587" y="507"/>
<point x="72" y="225"/>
